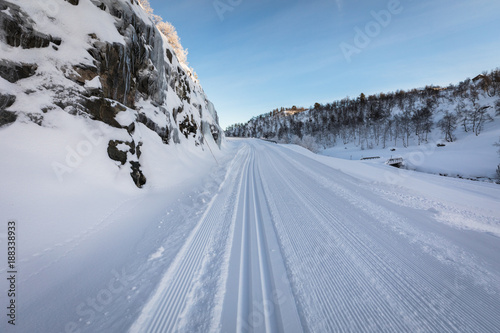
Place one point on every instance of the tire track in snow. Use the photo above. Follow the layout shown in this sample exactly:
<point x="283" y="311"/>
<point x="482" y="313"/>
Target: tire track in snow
<point x="399" y="276"/>
<point x="306" y="251"/>
<point x="366" y="197"/>
<point x="257" y="286"/>
<point x="398" y="220"/>
<point x="161" y="313"/>
<point x="305" y="237"/>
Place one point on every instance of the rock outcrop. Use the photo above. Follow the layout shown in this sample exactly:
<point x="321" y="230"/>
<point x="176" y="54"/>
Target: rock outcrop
<point x="119" y="71"/>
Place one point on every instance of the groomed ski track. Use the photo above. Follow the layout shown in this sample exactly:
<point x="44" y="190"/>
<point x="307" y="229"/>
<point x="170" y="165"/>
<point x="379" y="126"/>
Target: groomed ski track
<point x="292" y="245"/>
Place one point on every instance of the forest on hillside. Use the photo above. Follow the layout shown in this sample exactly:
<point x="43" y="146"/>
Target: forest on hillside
<point x="385" y="119"/>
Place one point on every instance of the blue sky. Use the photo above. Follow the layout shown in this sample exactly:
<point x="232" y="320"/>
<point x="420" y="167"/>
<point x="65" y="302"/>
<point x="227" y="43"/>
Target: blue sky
<point x="254" y="56"/>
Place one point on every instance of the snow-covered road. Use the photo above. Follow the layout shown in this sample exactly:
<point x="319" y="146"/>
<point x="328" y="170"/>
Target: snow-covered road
<point x="274" y="239"/>
<point x="290" y="244"/>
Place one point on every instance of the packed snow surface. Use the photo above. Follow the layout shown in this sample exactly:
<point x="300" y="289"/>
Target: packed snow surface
<point x="271" y="238"/>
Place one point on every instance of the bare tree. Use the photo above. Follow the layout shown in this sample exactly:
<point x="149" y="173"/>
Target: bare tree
<point x="482" y="117"/>
<point x="406" y="126"/>
<point x="422" y="122"/>
<point x="498" y="167"/>
<point x="448" y="124"/>
<point x="464" y="113"/>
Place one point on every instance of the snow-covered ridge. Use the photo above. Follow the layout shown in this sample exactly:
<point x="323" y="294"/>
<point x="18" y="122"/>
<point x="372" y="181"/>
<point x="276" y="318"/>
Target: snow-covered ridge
<point x="105" y="63"/>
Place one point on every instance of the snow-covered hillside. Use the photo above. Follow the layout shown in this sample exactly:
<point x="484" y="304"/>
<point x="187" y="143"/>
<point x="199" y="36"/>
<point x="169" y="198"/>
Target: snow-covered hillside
<point x="464" y="117"/>
<point x="91" y="91"/>
<point x="469" y="156"/>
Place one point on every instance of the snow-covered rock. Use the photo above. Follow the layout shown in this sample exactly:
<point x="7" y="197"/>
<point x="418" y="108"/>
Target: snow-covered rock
<point x="105" y="63"/>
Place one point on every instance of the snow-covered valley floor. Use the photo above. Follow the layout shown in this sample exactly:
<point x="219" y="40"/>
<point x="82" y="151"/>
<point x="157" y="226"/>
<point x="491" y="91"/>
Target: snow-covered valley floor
<point x="275" y="239"/>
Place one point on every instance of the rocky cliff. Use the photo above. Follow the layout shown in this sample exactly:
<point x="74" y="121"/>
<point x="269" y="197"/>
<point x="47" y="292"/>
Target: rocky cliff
<point x="105" y="62"/>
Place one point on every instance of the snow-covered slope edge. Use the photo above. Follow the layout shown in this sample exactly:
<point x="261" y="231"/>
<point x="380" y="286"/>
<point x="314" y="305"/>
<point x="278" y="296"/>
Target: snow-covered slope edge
<point x="91" y="91"/>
